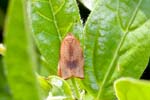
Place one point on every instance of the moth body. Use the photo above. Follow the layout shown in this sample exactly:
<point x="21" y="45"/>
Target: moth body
<point x="71" y="60"/>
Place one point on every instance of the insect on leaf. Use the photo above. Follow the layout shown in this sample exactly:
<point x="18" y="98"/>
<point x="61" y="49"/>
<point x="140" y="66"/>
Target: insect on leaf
<point x="71" y="58"/>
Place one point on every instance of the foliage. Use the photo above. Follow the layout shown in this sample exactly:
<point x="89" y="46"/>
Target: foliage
<point x="115" y="40"/>
<point x="19" y="59"/>
<point x="131" y="89"/>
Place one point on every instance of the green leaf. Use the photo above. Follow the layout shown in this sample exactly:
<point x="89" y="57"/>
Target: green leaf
<point x="60" y="88"/>
<point x="119" y="36"/>
<point x="51" y="21"/>
<point x="45" y="69"/>
<point x="19" y="58"/>
<point x="4" y="89"/>
<point x="132" y="89"/>
<point x="45" y="86"/>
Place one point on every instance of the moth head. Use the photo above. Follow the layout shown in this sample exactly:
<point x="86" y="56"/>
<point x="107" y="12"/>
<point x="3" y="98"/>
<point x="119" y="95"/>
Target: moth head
<point x="70" y="39"/>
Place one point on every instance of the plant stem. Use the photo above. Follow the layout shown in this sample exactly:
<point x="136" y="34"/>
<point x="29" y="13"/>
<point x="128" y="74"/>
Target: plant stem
<point x="75" y="88"/>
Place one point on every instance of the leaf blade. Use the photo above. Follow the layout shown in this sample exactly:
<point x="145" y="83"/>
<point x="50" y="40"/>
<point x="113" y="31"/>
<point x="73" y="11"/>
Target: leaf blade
<point x="126" y="89"/>
<point x="105" y="30"/>
<point x="4" y="88"/>
<point x="48" y="36"/>
<point x="19" y="58"/>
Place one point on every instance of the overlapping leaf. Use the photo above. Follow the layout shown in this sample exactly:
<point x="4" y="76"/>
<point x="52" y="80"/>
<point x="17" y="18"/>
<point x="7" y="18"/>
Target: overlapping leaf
<point x="60" y="88"/>
<point x="119" y="36"/>
<point x="131" y="89"/>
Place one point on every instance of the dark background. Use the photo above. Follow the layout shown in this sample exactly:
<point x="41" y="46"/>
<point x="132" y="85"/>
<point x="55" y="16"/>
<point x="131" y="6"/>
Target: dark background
<point x="84" y="12"/>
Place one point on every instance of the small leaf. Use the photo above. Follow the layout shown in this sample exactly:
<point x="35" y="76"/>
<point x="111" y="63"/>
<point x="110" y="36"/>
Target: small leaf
<point x="132" y="89"/>
<point x="60" y="88"/>
<point x="19" y="58"/>
<point x="45" y="86"/>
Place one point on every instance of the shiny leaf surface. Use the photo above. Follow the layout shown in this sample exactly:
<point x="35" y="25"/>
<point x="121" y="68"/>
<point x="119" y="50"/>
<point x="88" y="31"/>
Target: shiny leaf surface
<point x="51" y="21"/>
<point x="119" y="36"/>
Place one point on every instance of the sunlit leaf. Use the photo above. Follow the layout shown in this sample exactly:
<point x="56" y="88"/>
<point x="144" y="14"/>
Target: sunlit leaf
<point x="44" y="85"/>
<point x="60" y="88"/>
<point x="131" y="89"/>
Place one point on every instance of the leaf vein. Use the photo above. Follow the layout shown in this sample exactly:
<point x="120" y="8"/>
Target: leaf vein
<point x="59" y="9"/>
<point x="54" y="20"/>
<point x="43" y="16"/>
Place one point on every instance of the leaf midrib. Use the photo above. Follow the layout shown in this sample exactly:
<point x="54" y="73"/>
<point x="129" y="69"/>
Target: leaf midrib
<point x="115" y="58"/>
<point x="54" y="21"/>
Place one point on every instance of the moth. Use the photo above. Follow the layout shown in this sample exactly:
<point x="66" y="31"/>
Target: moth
<point x="71" y="59"/>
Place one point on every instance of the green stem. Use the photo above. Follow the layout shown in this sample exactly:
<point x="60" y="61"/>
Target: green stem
<point x="75" y="88"/>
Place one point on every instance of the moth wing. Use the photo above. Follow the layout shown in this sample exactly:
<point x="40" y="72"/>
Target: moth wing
<point x="63" y="70"/>
<point x="78" y="71"/>
<point x="71" y="59"/>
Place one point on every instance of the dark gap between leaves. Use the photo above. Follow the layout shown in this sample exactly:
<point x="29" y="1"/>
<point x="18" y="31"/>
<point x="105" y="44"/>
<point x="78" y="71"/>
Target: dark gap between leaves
<point x="84" y="12"/>
<point x="3" y="8"/>
<point x="1" y="36"/>
<point x="146" y="73"/>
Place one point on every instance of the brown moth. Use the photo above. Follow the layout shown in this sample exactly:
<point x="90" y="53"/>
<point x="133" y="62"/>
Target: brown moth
<point x="71" y="60"/>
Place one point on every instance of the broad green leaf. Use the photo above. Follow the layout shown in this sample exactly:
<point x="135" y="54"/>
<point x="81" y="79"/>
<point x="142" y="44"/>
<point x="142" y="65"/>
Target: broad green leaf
<point x="19" y="58"/>
<point x="60" y="88"/>
<point x="51" y="21"/>
<point x="132" y="89"/>
<point x="90" y="4"/>
<point x="117" y="39"/>
<point x="4" y="89"/>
